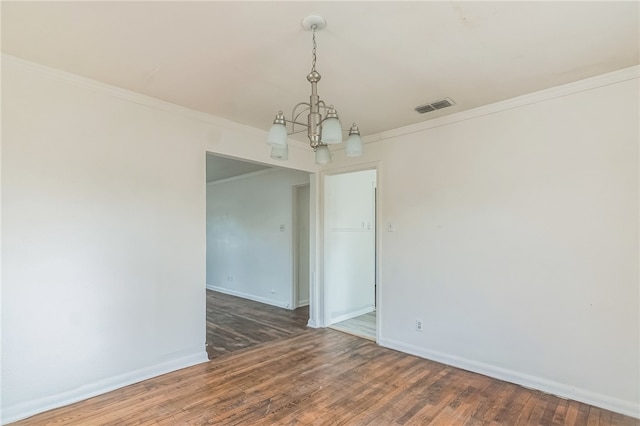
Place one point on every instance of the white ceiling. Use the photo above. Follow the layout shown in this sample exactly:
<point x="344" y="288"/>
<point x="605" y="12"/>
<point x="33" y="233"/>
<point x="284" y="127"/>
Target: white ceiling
<point x="244" y="61"/>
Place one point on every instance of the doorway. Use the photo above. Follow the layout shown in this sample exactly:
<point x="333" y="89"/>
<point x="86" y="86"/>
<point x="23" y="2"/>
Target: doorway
<point x="350" y="252"/>
<point x="251" y="275"/>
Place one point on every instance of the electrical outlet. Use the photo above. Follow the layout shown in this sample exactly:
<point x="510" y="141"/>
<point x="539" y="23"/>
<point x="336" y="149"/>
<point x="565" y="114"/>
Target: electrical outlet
<point x="418" y="325"/>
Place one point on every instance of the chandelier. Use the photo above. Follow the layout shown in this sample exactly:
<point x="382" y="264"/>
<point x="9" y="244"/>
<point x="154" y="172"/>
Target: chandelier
<point x="323" y="125"/>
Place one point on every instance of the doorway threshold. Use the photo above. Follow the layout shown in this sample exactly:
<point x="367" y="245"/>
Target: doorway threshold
<point x="362" y="326"/>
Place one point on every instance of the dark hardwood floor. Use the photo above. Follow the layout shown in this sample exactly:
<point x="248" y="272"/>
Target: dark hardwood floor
<point x="317" y="377"/>
<point x="234" y="323"/>
<point x="325" y="377"/>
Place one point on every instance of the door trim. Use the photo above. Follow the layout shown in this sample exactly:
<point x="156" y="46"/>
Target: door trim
<point x="295" y="237"/>
<point x="321" y="316"/>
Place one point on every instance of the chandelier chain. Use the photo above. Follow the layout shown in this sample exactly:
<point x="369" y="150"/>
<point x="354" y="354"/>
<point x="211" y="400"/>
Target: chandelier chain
<point x="313" y="52"/>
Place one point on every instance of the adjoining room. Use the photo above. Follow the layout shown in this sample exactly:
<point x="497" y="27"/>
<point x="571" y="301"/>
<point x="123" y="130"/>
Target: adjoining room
<point x="257" y="254"/>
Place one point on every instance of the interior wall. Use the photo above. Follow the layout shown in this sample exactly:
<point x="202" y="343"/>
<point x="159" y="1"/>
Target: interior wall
<point x="250" y="235"/>
<point x="349" y="244"/>
<point x="515" y="240"/>
<point x="103" y="226"/>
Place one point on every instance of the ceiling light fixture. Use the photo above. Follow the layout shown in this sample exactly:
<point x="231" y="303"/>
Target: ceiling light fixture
<point x="322" y="131"/>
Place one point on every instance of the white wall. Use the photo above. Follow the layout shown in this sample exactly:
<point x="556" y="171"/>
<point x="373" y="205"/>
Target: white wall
<point x="516" y="240"/>
<point x="349" y="245"/>
<point x="103" y="225"/>
<point x="248" y="255"/>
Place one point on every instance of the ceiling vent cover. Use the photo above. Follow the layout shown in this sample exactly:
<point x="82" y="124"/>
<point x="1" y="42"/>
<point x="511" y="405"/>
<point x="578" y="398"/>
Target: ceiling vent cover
<point x="444" y="103"/>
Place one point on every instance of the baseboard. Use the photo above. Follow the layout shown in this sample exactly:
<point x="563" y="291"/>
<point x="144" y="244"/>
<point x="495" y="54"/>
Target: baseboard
<point x="302" y="303"/>
<point x="312" y="324"/>
<point x="27" y="409"/>
<point x="249" y="296"/>
<point x="349" y="315"/>
<point x="628" y="408"/>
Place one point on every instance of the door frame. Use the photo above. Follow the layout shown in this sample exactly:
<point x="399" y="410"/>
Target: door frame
<point x="321" y="315"/>
<point x="294" y="244"/>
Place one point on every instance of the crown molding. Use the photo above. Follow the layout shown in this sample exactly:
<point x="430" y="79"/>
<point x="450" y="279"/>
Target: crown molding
<point x="614" y="77"/>
<point x="517" y="102"/>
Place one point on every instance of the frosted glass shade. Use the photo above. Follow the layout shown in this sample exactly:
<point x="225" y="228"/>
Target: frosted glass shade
<point x="354" y="146"/>
<point x="280" y="152"/>
<point x="331" y="131"/>
<point x="323" y="156"/>
<point x="277" y="135"/>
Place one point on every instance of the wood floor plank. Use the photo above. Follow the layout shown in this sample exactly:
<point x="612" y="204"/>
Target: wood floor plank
<point x="234" y="323"/>
<point x="514" y="405"/>
<point x="323" y="377"/>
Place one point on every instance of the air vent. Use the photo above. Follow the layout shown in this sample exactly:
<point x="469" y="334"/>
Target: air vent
<point x="425" y="108"/>
<point x="446" y="102"/>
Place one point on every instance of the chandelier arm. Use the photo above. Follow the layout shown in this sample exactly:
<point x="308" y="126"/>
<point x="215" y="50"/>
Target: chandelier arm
<point x="293" y="126"/>
<point x="293" y="112"/>
<point x="295" y="116"/>
<point x="295" y="133"/>
<point x="296" y="122"/>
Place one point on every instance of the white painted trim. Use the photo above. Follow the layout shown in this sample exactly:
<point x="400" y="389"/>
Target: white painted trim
<point x="517" y="102"/>
<point x="27" y="409"/>
<point x="353" y="168"/>
<point x="249" y="296"/>
<point x="322" y="316"/>
<point x="369" y="165"/>
<point x="629" y="408"/>
<point x="379" y="220"/>
<point x="315" y="302"/>
<point x="247" y="175"/>
<point x="295" y="284"/>
<point x="353" y="314"/>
